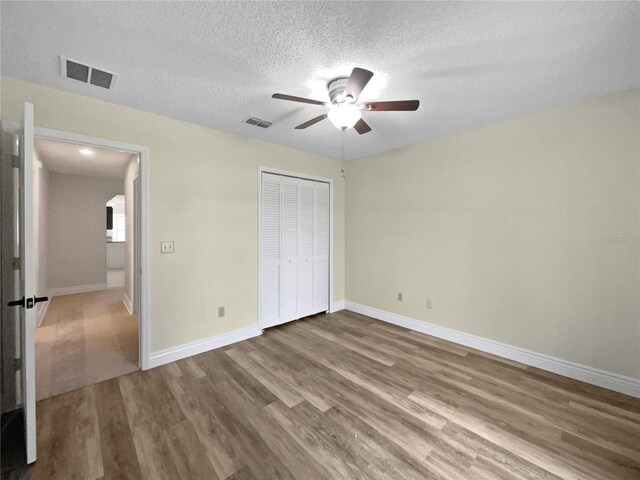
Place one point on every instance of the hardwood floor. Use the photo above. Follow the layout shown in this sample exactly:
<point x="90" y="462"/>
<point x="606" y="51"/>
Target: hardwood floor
<point x="84" y="338"/>
<point x="340" y="396"/>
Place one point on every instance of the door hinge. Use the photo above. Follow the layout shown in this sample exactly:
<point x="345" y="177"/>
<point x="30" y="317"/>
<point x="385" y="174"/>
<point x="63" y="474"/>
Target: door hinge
<point x="17" y="364"/>
<point x="16" y="263"/>
<point x="16" y="145"/>
<point x="15" y="161"/>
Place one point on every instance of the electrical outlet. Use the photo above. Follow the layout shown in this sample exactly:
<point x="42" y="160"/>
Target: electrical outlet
<point x="399" y="296"/>
<point x="429" y="304"/>
<point x="166" y="247"/>
<point x="220" y="311"/>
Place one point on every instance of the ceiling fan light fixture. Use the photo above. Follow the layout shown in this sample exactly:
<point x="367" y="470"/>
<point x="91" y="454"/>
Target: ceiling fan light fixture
<point x="344" y="115"/>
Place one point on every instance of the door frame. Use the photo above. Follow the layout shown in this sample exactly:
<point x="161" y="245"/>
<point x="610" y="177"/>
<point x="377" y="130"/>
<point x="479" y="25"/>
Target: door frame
<point x="304" y="176"/>
<point x="136" y="244"/>
<point x="144" y="315"/>
<point x="9" y="399"/>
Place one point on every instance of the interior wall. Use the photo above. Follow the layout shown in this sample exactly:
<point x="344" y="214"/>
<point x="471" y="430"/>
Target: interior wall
<point x="41" y="225"/>
<point x="130" y="218"/>
<point x="524" y="232"/>
<point x="203" y="196"/>
<point x="77" y="245"/>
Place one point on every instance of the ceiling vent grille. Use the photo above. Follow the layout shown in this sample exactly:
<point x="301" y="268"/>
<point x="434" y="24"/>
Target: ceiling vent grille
<point x="257" y="122"/>
<point x="81" y="72"/>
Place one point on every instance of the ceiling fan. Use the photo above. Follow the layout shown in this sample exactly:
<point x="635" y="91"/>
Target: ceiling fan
<point x="343" y="112"/>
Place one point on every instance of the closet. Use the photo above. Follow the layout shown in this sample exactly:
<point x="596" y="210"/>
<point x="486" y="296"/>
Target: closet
<point x="294" y="249"/>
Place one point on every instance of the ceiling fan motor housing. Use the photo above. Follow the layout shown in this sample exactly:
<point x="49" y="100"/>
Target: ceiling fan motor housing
<point x="336" y="91"/>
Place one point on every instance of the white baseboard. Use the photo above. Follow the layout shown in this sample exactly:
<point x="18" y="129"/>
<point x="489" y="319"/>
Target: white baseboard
<point x="200" y="346"/>
<point x="54" y="292"/>
<point x="127" y="303"/>
<point x="594" y="376"/>
<point x="337" y="306"/>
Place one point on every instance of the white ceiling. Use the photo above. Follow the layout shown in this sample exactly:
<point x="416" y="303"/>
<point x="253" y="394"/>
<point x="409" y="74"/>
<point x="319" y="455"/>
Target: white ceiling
<point x="214" y="63"/>
<point x="64" y="157"/>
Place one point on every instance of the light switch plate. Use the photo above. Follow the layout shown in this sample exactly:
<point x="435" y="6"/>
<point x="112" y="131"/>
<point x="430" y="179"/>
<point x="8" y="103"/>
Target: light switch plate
<point x="166" y="247"/>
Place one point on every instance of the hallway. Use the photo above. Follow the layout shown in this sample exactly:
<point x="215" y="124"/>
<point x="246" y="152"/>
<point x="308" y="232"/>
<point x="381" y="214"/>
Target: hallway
<point x="84" y="338"/>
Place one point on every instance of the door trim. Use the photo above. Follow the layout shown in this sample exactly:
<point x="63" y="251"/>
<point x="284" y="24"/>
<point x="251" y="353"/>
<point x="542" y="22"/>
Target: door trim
<point x="144" y="316"/>
<point x="304" y="176"/>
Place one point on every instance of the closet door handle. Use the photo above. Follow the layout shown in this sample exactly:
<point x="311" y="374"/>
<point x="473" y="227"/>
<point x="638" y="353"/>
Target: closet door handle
<point x="40" y="299"/>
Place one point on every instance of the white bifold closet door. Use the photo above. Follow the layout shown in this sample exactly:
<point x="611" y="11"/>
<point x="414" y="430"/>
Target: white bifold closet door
<point x="294" y="249"/>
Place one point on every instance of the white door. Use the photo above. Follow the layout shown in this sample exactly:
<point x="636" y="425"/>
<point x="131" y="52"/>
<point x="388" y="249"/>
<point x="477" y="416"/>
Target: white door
<point x="18" y="277"/>
<point x="27" y="280"/>
<point x="294" y="249"/>
<point x="321" y="207"/>
<point x="269" y="274"/>
<point x="289" y="249"/>
<point x="305" y="242"/>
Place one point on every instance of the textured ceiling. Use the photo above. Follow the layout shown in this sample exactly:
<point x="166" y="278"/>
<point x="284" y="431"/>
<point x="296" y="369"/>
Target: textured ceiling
<point x="214" y="63"/>
<point x="65" y="157"/>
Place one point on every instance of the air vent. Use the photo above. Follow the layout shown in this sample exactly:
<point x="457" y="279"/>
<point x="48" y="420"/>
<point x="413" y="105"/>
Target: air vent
<point x="257" y="122"/>
<point x="77" y="71"/>
<point x="86" y="73"/>
<point x="100" y="78"/>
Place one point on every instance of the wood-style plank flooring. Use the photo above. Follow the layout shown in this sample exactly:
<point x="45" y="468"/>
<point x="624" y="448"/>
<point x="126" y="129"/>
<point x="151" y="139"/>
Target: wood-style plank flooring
<point x="84" y="338"/>
<point x="340" y="396"/>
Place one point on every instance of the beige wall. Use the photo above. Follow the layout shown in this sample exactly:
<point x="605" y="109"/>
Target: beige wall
<point x="77" y="247"/>
<point x="504" y="228"/>
<point x="203" y="196"/>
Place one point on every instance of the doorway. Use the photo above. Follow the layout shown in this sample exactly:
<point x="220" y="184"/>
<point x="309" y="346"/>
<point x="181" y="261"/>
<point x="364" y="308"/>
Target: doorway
<point x="84" y="219"/>
<point x="19" y="262"/>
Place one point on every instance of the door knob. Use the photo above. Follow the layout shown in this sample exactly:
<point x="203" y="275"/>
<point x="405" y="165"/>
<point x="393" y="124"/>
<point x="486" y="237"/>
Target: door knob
<point x="40" y="299"/>
<point x="17" y="303"/>
<point x="28" y="302"/>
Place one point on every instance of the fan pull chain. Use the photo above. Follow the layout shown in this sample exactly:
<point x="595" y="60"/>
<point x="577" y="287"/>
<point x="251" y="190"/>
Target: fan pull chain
<point x="342" y="147"/>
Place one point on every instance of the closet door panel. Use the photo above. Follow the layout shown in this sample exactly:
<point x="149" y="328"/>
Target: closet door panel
<point x="305" y="243"/>
<point x="270" y="250"/>
<point x="294" y="249"/>
<point x="289" y="249"/>
<point x="321" y="247"/>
